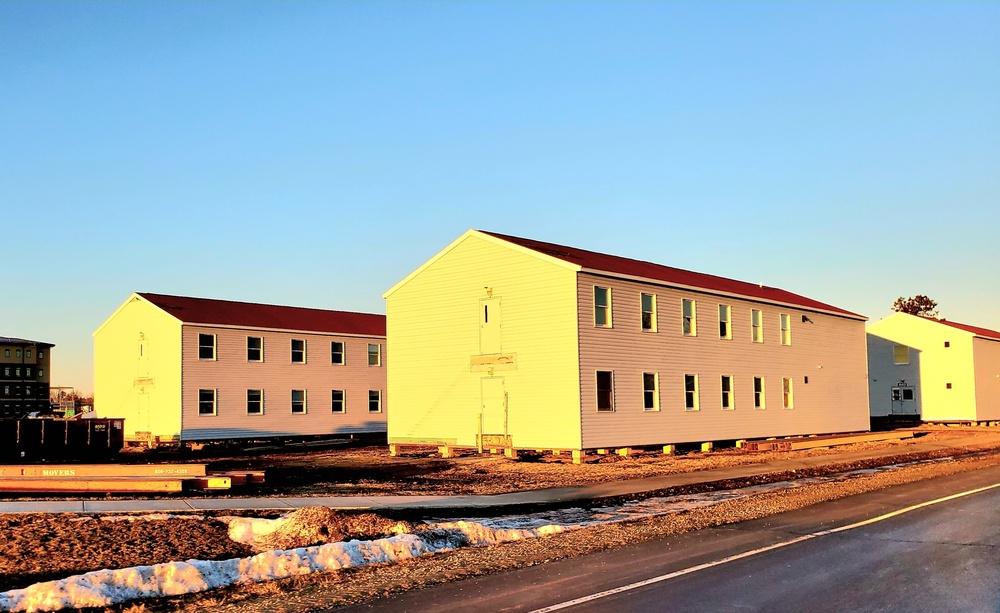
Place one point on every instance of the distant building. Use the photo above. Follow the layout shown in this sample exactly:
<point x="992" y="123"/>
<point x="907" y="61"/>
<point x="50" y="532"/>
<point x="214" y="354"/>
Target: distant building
<point x="24" y="376"/>
<point x="543" y="346"/>
<point x="940" y="370"/>
<point x="192" y="369"/>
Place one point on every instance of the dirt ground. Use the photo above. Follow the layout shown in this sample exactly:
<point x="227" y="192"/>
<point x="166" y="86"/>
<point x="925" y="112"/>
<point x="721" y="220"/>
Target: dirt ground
<point x="39" y="547"/>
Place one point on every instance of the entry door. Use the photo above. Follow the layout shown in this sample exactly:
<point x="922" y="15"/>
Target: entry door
<point x="494" y="406"/>
<point x="489" y="325"/>
<point x="904" y="400"/>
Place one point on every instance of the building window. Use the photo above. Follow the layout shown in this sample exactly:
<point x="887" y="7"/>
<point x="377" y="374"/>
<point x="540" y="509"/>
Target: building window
<point x="17" y="372"/>
<point x="758" y="392"/>
<point x="206" y="346"/>
<point x="648" y="312"/>
<point x="689" y="311"/>
<point x="27" y="353"/>
<point x="757" y="325"/>
<point x="6" y="371"/>
<point x="605" y="390"/>
<point x="725" y="316"/>
<point x="947" y="344"/>
<point x="907" y="393"/>
<point x="900" y="354"/>
<point x="374" y="401"/>
<point x="255" y="402"/>
<point x="786" y="329"/>
<point x="374" y="354"/>
<point x="947" y="386"/>
<point x="41" y="354"/>
<point x="338" y="403"/>
<point x="902" y="393"/>
<point x="255" y="349"/>
<point x="298" y="351"/>
<point x="298" y="402"/>
<point x="6" y="353"/>
<point x="602" y="307"/>
<point x="207" y="402"/>
<point x="27" y="371"/>
<point x="17" y="353"/>
<point x="786" y="394"/>
<point x="336" y="352"/>
<point x="6" y="390"/>
<point x="650" y="392"/>
<point x="691" y="392"/>
<point x="41" y="373"/>
<point x="727" y="393"/>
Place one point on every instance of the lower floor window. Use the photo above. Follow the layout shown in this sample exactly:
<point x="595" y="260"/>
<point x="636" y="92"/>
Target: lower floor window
<point x="758" y="392"/>
<point x="902" y="393"/>
<point x="207" y="402"/>
<point x="691" y="392"/>
<point x="605" y="391"/>
<point x="337" y="403"/>
<point x="650" y="397"/>
<point x="786" y="393"/>
<point x="374" y="401"/>
<point x="298" y="401"/>
<point x="255" y="402"/>
<point x="727" y="393"/>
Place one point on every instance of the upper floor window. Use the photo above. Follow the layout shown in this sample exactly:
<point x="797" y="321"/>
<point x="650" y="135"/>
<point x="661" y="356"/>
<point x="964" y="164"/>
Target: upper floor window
<point x="17" y="353"/>
<point x="602" y="307"/>
<point x="691" y="392"/>
<point x="786" y="329"/>
<point x="207" y="402"/>
<point x="41" y="354"/>
<point x="650" y="393"/>
<point x="338" y="403"/>
<point x="6" y="353"/>
<point x="725" y="316"/>
<point x="689" y="313"/>
<point x="27" y="353"/>
<point x="255" y="402"/>
<point x="758" y="392"/>
<point x="298" y="351"/>
<point x="255" y="349"/>
<point x="206" y="346"/>
<point x="727" y="393"/>
<point x="757" y="325"/>
<point x="605" y="391"/>
<point x="900" y="354"/>
<point x="648" y="305"/>
<point x="374" y="401"/>
<point x="374" y="354"/>
<point x="786" y="393"/>
<point x="336" y="352"/>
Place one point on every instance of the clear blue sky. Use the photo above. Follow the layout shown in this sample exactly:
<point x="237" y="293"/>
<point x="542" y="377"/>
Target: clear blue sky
<point x="314" y="153"/>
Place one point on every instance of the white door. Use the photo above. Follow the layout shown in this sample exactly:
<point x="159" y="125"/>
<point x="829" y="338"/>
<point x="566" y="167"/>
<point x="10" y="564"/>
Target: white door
<point x="494" y="406"/>
<point x="489" y="325"/>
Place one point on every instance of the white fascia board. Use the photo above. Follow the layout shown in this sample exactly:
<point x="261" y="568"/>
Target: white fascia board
<point x="497" y="241"/>
<point x="135" y="296"/>
<point x="283" y="330"/>
<point x="703" y="290"/>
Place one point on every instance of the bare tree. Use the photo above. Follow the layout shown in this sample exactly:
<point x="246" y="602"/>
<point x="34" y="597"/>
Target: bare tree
<point x="918" y="305"/>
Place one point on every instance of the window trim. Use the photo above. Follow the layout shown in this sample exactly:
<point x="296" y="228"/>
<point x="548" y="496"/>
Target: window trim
<point x="728" y="396"/>
<point x="214" y="401"/>
<point x="260" y="400"/>
<point x="378" y="399"/>
<point x="305" y="402"/>
<point x="606" y="308"/>
<point x="291" y="349"/>
<point x="378" y="354"/>
<point x="689" y="325"/>
<point x="611" y="391"/>
<point x="343" y="353"/>
<point x="215" y="347"/>
<point x="643" y="312"/>
<point x="757" y="328"/>
<point x="759" y="395"/>
<point x="693" y="395"/>
<point x="260" y="349"/>
<point x="787" y="393"/>
<point x="728" y="321"/>
<point x="655" y="392"/>
<point x="785" y="329"/>
<point x="343" y="402"/>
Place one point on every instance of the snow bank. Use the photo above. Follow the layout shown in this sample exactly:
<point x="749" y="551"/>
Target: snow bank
<point x="107" y="587"/>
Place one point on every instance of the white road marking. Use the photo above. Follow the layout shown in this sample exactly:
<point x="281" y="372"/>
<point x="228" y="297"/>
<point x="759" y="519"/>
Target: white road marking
<point x="747" y="554"/>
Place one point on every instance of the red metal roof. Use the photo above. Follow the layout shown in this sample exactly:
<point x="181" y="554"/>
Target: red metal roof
<point x="615" y="265"/>
<point x="251" y="315"/>
<point x="984" y="332"/>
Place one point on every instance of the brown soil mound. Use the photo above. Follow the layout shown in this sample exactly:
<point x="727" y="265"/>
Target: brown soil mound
<point x="318" y="525"/>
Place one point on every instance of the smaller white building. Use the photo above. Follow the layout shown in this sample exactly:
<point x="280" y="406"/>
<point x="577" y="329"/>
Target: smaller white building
<point x="933" y="368"/>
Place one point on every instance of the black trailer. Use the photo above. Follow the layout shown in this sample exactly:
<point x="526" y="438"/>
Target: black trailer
<point x="52" y="439"/>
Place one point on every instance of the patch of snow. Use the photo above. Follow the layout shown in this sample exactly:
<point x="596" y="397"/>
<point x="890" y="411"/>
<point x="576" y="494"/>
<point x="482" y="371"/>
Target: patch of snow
<point x="249" y="530"/>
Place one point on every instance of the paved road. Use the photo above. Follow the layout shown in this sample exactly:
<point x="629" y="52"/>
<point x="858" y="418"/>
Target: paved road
<point x="942" y="557"/>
